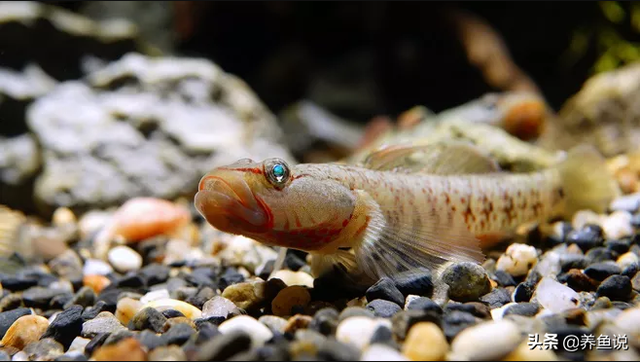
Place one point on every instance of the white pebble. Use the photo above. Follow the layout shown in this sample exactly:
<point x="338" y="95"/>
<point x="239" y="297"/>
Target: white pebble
<point x="549" y="264"/>
<point x="358" y="330"/>
<point x="584" y="217"/>
<point x="626" y="259"/>
<point x="218" y="307"/>
<point x="258" y="332"/>
<point x="554" y="296"/>
<point x="20" y="356"/>
<point x="381" y="352"/>
<point x="617" y="225"/>
<point x="124" y="259"/>
<point x="96" y="267"/>
<point x="291" y="278"/>
<point x="93" y="221"/>
<point x="471" y="344"/>
<point x="79" y="344"/>
<point x="629" y="203"/>
<point x="498" y="313"/>
<point x="155" y="295"/>
<point x="518" y="259"/>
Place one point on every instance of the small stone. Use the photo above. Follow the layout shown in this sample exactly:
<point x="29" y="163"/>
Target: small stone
<point x="9" y="317"/>
<point x="155" y="273"/>
<point x="523" y="309"/>
<point x="46" y="349"/>
<point x="218" y="307"/>
<point x="504" y="279"/>
<point x="148" y="318"/>
<point x="170" y="353"/>
<point x="355" y="312"/>
<point x="456" y="321"/>
<point x="357" y="331"/>
<point x="617" y="225"/>
<point x="599" y="254"/>
<point x="424" y="304"/>
<point x="39" y="297"/>
<point x="26" y="329"/>
<point x="325" y="321"/>
<point x="627" y="259"/>
<point x="297" y="322"/>
<point x="155" y="295"/>
<point x="383" y="308"/>
<point x="247" y="295"/>
<point x="178" y="320"/>
<point x="477" y="309"/>
<point x="126" y="309"/>
<point x="587" y="237"/>
<point x="224" y="346"/>
<point x="554" y="296"/>
<point x="471" y="343"/>
<point x="187" y="309"/>
<point x="230" y="276"/>
<point x="620" y="246"/>
<point x="66" y="326"/>
<point x="383" y="335"/>
<point x="178" y="334"/>
<point x="467" y="281"/>
<point x="419" y="282"/>
<point x="578" y="281"/>
<point x="333" y="350"/>
<point x="291" y="278"/>
<point x="258" y="332"/>
<point x="525" y="353"/>
<point x="381" y="352"/>
<point x="425" y="342"/>
<point x="572" y="261"/>
<point x="274" y="323"/>
<point x="496" y="298"/>
<point x="615" y="287"/>
<point x="635" y="282"/>
<point x="601" y="271"/>
<point x="124" y="259"/>
<point x="518" y="259"/>
<point x="404" y="320"/>
<point x="96" y="267"/>
<point x="289" y="297"/>
<point x="385" y="289"/>
<point x="105" y="322"/>
<point x="79" y="344"/>
<point x="96" y="282"/>
<point x="128" y="349"/>
<point x="93" y="312"/>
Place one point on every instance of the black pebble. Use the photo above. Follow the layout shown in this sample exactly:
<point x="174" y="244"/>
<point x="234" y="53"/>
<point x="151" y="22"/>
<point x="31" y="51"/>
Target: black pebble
<point x="631" y="270"/>
<point x="616" y="287"/>
<point x="148" y="318"/>
<point x="294" y="261"/>
<point x="150" y="339"/>
<point x="599" y="254"/>
<point x="332" y="350"/>
<point x="589" y="237"/>
<point x="95" y="343"/>
<point x="523" y="309"/>
<point x="110" y="298"/>
<point x="118" y="336"/>
<point x="224" y="346"/>
<point x="201" y="297"/>
<point x="71" y="357"/>
<point x="230" y="276"/>
<point x="457" y="321"/>
<point x="404" y="320"/>
<point x="206" y="332"/>
<point x="18" y="283"/>
<point x="496" y="298"/>
<point x="635" y="221"/>
<point x="354" y="312"/>
<point x="66" y="326"/>
<point x="325" y="321"/>
<point x="420" y="282"/>
<point x="178" y="334"/>
<point x="85" y="297"/>
<point x="155" y="274"/>
<point x="476" y="309"/>
<point x="524" y="291"/>
<point x="172" y="313"/>
<point x="383" y="308"/>
<point x="215" y="320"/>
<point x="202" y="277"/>
<point x="383" y="335"/>
<point x="385" y="289"/>
<point x="131" y="280"/>
<point x="601" y="271"/>
<point x="40" y="297"/>
<point x="618" y="246"/>
<point x="504" y="279"/>
<point x="93" y="312"/>
<point x="424" y="304"/>
<point x="7" y="318"/>
<point x="573" y="261"/>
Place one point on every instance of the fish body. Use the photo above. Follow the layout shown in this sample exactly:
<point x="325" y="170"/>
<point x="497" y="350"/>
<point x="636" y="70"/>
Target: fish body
<point x="388" y="216"/>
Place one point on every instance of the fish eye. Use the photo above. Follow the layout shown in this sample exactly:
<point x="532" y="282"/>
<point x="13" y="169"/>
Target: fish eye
<point x="277" y="172"/>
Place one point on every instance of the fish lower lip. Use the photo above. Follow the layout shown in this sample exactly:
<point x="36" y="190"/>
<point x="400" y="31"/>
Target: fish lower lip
<point x="210" y="203"/>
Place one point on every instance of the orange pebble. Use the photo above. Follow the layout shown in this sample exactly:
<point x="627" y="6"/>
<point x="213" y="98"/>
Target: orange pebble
<point x="128" y="349"/>
<point x="144" y="217"/>
<point x="96" y="282"/>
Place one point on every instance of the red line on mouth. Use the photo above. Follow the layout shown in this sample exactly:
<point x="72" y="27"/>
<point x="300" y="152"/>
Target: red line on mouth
<point x="266" y="209"/>
<point x="256" y="170"/>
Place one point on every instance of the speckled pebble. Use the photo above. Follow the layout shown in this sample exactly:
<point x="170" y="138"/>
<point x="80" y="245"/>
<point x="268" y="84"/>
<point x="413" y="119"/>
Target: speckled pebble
<point x="615" y="287"/>
<point x="46" y="349"/>
<point x="218" y="307"/>
<point x="518" y="259"/>
<point x="383" y="308"/>
<point x="246" y="295"/>
<point x="425" y="342"/>
<point x="466" y="281"/>
<point x="105" y="322"/>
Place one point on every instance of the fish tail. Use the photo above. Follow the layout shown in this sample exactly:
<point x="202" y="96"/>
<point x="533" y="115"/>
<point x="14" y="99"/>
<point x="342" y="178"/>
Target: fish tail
<point x="586" y="182"/>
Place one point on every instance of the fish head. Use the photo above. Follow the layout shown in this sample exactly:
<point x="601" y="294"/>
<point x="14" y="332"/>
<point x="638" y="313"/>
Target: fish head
<point x="274" y="203"/>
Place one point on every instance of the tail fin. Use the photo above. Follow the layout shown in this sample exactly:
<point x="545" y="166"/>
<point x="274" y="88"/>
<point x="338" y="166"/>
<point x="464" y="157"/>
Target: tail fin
<point x="587" y="183"/>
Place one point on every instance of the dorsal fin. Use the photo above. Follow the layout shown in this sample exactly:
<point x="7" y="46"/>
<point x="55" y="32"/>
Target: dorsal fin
<point x="443" y="158"/>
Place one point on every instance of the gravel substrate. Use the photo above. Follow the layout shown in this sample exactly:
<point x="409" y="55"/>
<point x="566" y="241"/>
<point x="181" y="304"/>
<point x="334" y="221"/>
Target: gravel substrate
<point x="203" y="295"/>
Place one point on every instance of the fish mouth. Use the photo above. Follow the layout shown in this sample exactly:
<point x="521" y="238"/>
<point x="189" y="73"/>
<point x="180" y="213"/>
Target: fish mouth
<point x="226" y="201"/>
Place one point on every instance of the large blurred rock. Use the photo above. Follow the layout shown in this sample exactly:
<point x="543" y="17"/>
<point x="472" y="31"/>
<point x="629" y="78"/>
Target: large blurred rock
<point x="145" y="126"/>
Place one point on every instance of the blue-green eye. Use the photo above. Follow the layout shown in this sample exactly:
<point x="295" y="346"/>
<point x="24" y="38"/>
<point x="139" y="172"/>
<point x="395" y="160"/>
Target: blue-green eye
<point x="277" y="172"/>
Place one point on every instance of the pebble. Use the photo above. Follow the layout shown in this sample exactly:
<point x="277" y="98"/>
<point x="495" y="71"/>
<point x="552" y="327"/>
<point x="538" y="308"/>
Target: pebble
<point x="424" y="304"/>
<point x="523" y="309"/>
<point x="26" y="329"/>
<point x="471" y="343"/>
<point x="170" y="353"/>
<point x="627" y="259"/>
<point x="124" y="259"/>
<point x="79" y="344"/>
<point x="554" y="296"/>
<point x="357" y="331"/>
<point x="583" y="218"/>
<point x="383" y="308"/>
<point x="587" y="237"/>
<point x="518" y="259"/>
<point x="385" y="289"/>
<point x="617" y="225"/>
<point x="291" y="278"/>
<point x="467" y="281"/>
<point x="96" y="282"/>
<point x="525" y="353"/>
<point x="355" y="312"/>
<point x="425" y="342"/>
<point x="258" y="332"/>
<point x="325" y="321"/>
<point x="66" y="326"/>
<point x="635" y="282"/>
<point x="96" y="267"/>
<point x="20" y="356"/>
<point x="274" y="323"/>
<point x="105" y="322"/>
<point x="578" y="281"/>
<point x="178" y="334"/>
<point x="127" y="349"/>
<point x="297" y="322"/>
<point x="40" y="297"/>
<point x="218" y="307"/>
<point x="155" y="295"/>
<point x="381" y="352"/>
<point x="247" y="295"/>
<point x="601" y="271"/>
<point x="615" y="287"/>
<point x="126" y="308"/>
<point x="9" y="317"/>
<point x="504" y="279"/>
<point x="46" y="349"/>
<point x="419" y="282"/>
<point x="496" y="298"/>
<point x="224" y="346"/>
<point x="629" y="203"/>
<point x="187" y="309"/>
<point x="289" y="297"/>
<point x="404" y="320"/>
<point x="148" y="318"/>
